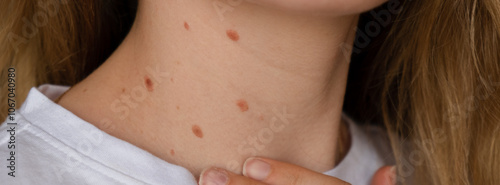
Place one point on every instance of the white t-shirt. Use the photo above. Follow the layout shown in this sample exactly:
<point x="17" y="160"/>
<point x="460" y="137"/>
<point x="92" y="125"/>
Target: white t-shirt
<point x="53" y="146"/>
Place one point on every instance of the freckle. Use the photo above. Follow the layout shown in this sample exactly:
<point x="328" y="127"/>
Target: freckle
<point x="172" y="152"/>
<point x="84" y="90"/>
<point x="123" y="90"/>
<point x="242" y="104"/>
<point x="197" y="131"/>
<point x="149" y="83"/>
<point x="177" y="107"/>
<point x="261" y="117"/>
<point x="186" y="25"/>
<point x="172" y="79"/>
<point x="233" y="35"/>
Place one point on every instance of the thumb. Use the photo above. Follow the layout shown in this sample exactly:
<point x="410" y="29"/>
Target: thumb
<point x="384" y="176"/>
<point x="275" y="172"/>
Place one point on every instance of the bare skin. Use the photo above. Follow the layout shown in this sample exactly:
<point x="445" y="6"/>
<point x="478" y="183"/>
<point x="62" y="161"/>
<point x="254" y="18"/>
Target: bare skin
<point x="262" y="171"/>
<point x="181" y="67"/>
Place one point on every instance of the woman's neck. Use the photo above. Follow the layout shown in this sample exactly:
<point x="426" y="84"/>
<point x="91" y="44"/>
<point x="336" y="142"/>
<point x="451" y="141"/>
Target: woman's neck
<point x="199" y="85"/>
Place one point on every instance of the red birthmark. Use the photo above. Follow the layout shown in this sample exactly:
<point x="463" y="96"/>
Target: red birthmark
<point x="242" y="104"/>
<point x="149" y="83"/>
<point x="233" y="35"/>
<point x="197" y="131"/>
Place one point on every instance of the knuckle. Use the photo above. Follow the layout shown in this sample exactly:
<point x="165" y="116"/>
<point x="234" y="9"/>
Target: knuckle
<point x="333" y="180"/>
<point x="296" y="180"/>
<point x="337" y="183"/>
<point x="344" y="183"/>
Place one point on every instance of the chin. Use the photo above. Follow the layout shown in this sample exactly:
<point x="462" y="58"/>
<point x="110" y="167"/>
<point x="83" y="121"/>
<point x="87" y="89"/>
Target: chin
<point x="330" y="7"/>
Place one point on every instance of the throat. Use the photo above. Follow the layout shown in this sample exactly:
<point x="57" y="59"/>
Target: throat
<point x="198" y="93"/>
<point x="197" y="125"/>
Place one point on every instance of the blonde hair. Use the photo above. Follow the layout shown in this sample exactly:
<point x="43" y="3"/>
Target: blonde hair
<point x="435" y="77"/>
<point x="442" y="87"/>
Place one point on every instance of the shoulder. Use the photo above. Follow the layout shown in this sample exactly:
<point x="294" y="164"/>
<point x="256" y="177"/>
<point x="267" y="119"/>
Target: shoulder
<point x="370" y="150"/>
<point x="54" y="146"/>
<point x="372" y="139"/>
<point x="378" y="138"/>
<point x="34" y="155"/>
<point x="27" y="153"/>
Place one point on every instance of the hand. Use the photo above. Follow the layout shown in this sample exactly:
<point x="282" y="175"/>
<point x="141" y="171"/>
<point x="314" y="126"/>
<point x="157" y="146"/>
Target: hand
<point x="262" y="171"/>
<point x="384" y="176"/>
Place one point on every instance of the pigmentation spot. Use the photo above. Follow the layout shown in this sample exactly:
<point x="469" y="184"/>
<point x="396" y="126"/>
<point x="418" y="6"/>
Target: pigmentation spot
<point x="149" y="83"/>
<point x="186" y="25"/>
<point x="172" y="152"/>
<point x="242" y="104"/>
<point x="233" y="35"/>
<point x="197" y="131"/>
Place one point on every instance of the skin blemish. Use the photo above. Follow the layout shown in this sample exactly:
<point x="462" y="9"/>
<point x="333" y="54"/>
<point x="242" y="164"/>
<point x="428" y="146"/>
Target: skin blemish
<point x="197" y="131"/>
<point x="84" y="90"/>
<point x="242" y="104"/>
<point x="149" y="83"/>
<point x="172" y="79"/>
<point x="186" y="25"/>
<point x="233" y="35"/>
<point x="172" y="152"/>
<point x="177" y="107"/>
<point x="123" y="90"/>
<point x="261" y="117"/>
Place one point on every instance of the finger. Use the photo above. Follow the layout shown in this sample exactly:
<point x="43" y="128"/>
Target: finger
<point x="279" y="173"/>
<point x="218" y="176"/>
<point x="384" y="176"/>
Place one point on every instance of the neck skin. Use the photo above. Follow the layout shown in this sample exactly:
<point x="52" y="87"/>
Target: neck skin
<point x="196" y="98"/>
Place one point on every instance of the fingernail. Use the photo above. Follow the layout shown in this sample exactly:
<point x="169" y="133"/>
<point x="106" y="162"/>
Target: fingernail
<point x="214" y="176"/>
<point x="256" y="169"/>
<point x="392" y="176"/>
<point x="392" y="170"/>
